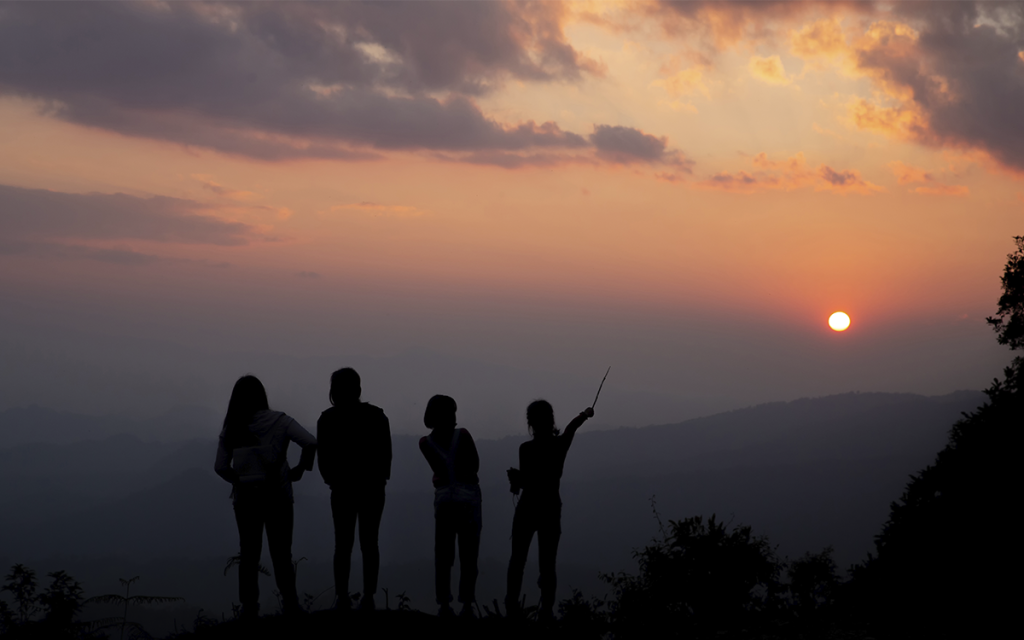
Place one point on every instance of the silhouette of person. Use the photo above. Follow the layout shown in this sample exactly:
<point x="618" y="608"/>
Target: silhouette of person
<point x="355" y="461"/>
<point x="452" y="456"/>
<point x="252" y="456"/>
<point x="540" y="508"/>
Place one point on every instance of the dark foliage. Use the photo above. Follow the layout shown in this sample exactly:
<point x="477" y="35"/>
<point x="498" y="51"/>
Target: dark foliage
<point x="813" y="584"/>
<point x="59" y="605"/>
<point x="699" y="580"/>
<point x="20" y="582"/>
<point x="1008" y="321"/>
<point x="62" y="600"/>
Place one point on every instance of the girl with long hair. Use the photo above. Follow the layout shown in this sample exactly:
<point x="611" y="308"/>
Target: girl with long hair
<point x="252" y="456"/>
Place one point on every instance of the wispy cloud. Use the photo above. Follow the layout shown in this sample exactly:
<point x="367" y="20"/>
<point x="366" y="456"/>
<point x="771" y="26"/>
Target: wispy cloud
<point x="36" y="214"/>
<point x="788" y="175"/>
<point x="769" y="69"/>
<point x="907" y="175"/>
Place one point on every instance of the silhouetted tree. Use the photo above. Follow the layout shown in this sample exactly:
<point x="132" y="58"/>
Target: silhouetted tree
<point x="812" y="583"/>
<point x="1008" y="321"/>
<point x="949" y="546"/>
<point x="62" y="600"/>
<point x="699" y="579"/>
<point x="21" y="583"/>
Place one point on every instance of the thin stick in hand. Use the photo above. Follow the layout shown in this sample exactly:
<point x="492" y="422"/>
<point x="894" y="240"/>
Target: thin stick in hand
<point x="600" y="387"/>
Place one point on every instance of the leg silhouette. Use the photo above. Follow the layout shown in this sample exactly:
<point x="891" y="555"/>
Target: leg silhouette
<point x="469" y="549"/>
<point x="344" y="510"/>
<point x="445" y="530"/>
<point x="279" y="522"/>
<point x="249" y="518"/>
<point x="522" y="536"/>
<point x="548" y="535"/>
<point x="370" y="511"/>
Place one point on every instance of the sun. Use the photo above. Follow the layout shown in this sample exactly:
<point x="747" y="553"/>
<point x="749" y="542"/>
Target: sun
<point x="839" y="321"/>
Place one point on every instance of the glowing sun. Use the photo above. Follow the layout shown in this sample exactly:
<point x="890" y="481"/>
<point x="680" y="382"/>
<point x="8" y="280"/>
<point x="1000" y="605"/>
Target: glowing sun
<point x="839" y="321"/>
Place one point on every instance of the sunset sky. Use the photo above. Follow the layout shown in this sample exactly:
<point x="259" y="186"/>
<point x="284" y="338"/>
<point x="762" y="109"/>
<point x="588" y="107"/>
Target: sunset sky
<point x="682" y="190"/>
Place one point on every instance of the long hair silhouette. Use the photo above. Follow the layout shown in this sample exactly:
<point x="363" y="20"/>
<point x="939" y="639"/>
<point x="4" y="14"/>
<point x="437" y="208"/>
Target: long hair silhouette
<point x="247" y="398"/>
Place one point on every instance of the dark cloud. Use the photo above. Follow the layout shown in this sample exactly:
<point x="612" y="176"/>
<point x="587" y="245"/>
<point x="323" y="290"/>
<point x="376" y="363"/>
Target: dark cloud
<point x="37" y="214"/>
<point x="739" y="180"/>
<point x="965" y="72"/>
<point x="626" y="145"/>
<point x="839" y="178"/>
<point x="282" y="80"/>
<point x="468" y="47"/>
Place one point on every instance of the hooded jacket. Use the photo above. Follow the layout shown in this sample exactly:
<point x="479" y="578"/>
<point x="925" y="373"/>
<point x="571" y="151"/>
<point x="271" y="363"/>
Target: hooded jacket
<point x="264" y="467"/>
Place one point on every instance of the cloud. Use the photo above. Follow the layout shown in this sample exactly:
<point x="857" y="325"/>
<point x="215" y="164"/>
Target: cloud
<point x="276" y="81"/>
<point x="944" y="74"/>
<point x="684" y="83"/>
<point x="906" y="174"/>
<point x="38" y="214"/>
<point x="724" y="24"/>
<point x="231" y="194"/>
<point x="626" y="145"/>
<point x="769" y="70"/>
<point x="309" y="275"/>
<point x="671" y="178"/>
<point x="965" y="77"/>
<point x="788" y="175"/>
<point x="821" y="38"/>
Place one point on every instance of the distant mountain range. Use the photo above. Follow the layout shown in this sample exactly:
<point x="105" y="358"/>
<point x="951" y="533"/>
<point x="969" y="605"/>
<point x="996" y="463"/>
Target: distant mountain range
<point x="807" y="473"/>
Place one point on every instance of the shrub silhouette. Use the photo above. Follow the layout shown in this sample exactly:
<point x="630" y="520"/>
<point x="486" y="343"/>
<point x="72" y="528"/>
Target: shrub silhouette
<point x="699" y="579"/>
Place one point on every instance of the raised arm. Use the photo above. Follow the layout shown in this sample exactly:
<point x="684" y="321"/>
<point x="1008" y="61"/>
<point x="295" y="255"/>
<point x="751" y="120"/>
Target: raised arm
<point x="577" y="422"/>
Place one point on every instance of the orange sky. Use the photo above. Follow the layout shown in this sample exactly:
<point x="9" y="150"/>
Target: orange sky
<point x="763" y="163"/>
